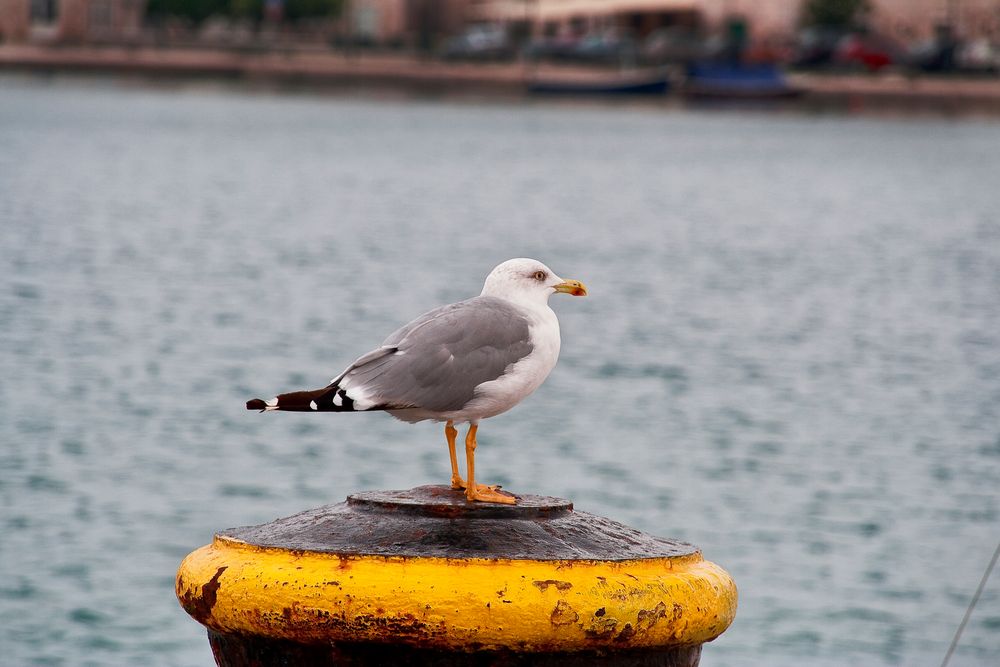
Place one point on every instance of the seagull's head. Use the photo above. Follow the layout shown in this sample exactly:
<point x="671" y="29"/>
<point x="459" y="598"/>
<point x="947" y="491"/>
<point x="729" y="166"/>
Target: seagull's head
<point x="528" y="281"/>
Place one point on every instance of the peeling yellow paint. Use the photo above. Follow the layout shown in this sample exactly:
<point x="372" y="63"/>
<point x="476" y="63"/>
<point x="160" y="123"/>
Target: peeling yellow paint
<point x="524" y="605"/>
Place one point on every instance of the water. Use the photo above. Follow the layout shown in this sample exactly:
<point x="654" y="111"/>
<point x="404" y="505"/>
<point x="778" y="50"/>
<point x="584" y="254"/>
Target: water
<point x="790" y="355"/>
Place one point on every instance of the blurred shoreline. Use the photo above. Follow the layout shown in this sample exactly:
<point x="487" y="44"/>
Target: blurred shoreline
<point x="892" y="92"/>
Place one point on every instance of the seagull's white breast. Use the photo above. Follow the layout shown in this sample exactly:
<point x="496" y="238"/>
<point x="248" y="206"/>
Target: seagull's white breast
<point x="519" y="379"/>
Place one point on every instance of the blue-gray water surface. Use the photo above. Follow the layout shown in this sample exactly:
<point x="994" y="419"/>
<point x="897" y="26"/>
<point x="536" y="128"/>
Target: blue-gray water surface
<point x="790" y="355"/>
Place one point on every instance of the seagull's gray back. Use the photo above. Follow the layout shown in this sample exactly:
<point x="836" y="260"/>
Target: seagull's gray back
<point x="435" y="362"/>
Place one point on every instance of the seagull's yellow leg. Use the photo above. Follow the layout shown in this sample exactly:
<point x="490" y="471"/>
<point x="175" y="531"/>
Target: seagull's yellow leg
<point x="481" y="492"/>
<point x="450" y="433"/>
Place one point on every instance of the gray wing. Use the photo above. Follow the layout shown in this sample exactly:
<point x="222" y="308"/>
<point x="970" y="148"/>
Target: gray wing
<point x="436" y="361"/>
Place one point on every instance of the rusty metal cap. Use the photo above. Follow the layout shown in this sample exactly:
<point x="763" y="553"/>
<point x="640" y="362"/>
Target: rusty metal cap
<point x="437" y="521"/>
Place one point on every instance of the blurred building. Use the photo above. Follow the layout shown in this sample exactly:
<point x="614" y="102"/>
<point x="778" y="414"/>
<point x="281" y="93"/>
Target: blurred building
<point x="15" y="19"/>
<point x="406" y="22"/>
<point x="421" y="23"/>
<point x="71" y="20"/>
<point x="554" y="17"/>
<point x="386" y="22"/>
<point x="898" y="18"/>
<point x="905" y="19"/>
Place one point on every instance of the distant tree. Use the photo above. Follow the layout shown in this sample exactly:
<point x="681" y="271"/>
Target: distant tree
<point x="834" y="13"/>
<point x="250" y="9"/>
<point x="197" y="11"/>
<point x="307" y="9"/>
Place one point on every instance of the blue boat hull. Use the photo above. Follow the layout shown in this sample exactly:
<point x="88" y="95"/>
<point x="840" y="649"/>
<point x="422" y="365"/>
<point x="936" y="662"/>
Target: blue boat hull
<point x="729" y="81"/>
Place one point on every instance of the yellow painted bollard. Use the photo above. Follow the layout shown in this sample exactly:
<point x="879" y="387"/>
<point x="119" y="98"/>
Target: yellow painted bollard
<point x="421" y="577"/>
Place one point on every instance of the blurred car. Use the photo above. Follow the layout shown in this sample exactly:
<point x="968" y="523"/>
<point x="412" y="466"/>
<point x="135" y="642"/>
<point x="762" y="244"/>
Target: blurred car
<point x="979" y="56"/>
<point x="479" y="42"/>
<point x="932" y="56"/>
<point x="865" y="50"/>
<point x="936" y="54"/>
<point x="671" y="45"/>
<point x="816" y="46"/>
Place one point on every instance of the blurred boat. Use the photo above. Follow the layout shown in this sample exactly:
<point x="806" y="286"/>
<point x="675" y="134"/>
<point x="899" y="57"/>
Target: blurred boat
<point x="737" y="81"/>
<point x="647" y="83"/>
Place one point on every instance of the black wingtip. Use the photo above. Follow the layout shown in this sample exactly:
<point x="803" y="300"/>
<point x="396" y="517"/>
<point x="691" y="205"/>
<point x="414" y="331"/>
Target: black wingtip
<point x="256" y="404"/>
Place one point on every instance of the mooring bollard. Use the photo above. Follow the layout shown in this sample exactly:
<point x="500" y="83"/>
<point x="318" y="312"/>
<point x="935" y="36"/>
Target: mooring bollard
<point x="422" y="577"/>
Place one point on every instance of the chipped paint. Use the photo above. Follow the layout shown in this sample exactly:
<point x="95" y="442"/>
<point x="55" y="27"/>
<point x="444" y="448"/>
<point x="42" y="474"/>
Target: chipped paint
<point x="199" y="602"/>
<point x="444" y="603"/>
<point x="563" y="614"/>
<point x="560" y="585"/>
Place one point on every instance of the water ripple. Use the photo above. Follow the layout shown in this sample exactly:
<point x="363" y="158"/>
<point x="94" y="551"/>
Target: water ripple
<point x="789" y="357"/>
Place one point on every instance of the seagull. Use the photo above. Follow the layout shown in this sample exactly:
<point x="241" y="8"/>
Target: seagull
<point x="458" y="364"/>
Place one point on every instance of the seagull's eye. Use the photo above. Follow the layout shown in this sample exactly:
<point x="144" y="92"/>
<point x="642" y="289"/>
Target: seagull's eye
<point x="539" y="276"/>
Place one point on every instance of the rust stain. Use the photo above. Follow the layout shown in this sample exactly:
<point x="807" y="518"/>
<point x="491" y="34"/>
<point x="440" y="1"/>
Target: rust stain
<point x="200" y="606"/>
<point x="647" y="618"/>
<point x="392" y="628"/>
<point x="560" y="585"/>
<point x="602" y="631"/>
<point x="563" y="614"/>
<point x="626" y="634"/>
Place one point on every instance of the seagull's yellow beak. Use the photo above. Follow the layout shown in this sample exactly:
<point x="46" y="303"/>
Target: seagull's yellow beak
<point x="574" y="287"/>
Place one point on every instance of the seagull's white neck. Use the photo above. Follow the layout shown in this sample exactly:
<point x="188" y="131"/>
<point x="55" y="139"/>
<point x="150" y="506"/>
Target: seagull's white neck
<point x="536" y="299"/>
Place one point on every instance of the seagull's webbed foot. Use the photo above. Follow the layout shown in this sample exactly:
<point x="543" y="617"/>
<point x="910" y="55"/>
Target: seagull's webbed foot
<point x="479" y="492"/>
<point x="490" y="494"/>
<point x="487" y="493"/>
